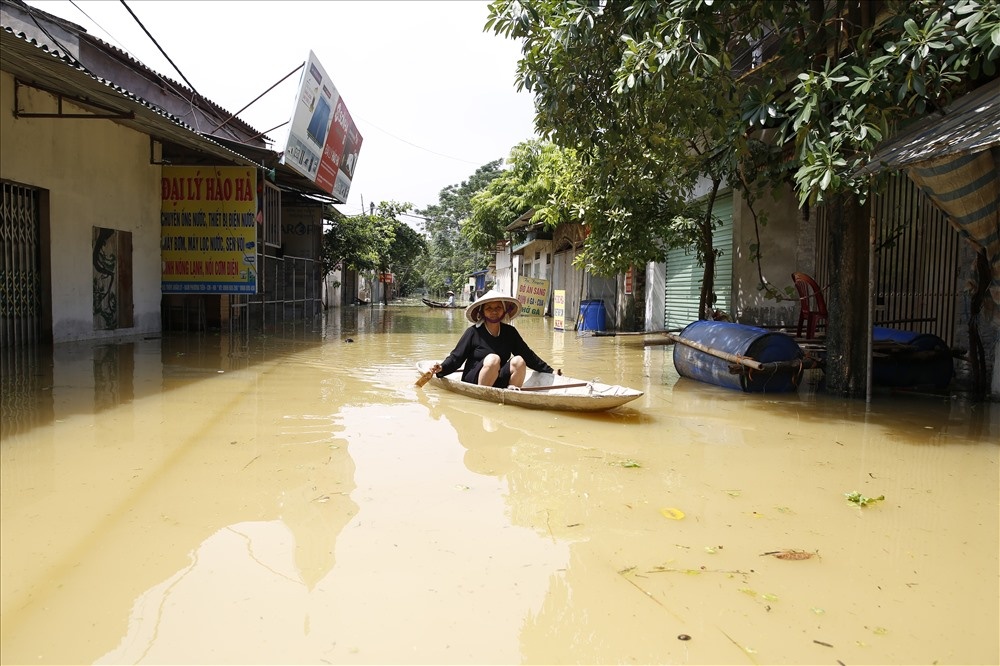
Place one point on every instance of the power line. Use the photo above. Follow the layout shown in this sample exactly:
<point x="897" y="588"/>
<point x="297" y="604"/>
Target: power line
<point x="178" y="69"/>
<point x="450" y="157"/>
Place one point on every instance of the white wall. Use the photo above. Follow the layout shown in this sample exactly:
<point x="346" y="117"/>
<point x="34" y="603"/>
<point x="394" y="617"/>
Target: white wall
<point x="789" y="245"/>
<point x="97" y="173"/>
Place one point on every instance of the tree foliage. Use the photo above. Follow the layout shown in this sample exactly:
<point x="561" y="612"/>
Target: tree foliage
<point x="754" y="94"/>
<point x="451" y="257"/>
<point x="374" y="242"/>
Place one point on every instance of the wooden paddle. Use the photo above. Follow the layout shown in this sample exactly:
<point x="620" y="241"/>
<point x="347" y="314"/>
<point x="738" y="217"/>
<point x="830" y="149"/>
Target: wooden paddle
<point x="424" y="378"/>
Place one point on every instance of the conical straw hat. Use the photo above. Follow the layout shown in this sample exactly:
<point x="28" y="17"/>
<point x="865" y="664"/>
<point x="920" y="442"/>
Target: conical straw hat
<point x="474" y="312"/>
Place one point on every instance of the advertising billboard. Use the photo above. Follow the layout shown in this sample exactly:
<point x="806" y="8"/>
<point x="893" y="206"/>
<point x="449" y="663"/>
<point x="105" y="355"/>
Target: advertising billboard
<point x="208" y="230"/>
<point x="323" y="142"/>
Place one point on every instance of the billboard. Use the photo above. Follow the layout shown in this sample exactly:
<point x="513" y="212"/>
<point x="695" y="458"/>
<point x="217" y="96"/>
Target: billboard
<point x="208" y="230"/>
<point x="323" y="142"/>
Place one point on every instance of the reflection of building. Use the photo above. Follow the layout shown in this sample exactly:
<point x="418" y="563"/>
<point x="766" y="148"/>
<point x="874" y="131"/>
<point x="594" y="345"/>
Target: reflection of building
<point x="74" y="107"/>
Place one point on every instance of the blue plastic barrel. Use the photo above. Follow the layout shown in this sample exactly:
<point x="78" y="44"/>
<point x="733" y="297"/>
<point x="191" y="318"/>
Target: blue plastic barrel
<point x="742" y="341"/>
<point x="591" y="316"/>
<point x="929" y="364"/>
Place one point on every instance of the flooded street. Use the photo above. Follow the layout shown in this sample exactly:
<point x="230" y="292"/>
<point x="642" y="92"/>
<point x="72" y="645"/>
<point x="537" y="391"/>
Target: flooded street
<point x="299" y="500"/>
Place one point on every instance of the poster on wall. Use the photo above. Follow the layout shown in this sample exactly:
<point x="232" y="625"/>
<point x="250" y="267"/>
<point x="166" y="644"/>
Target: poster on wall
<point x="533" y="293"/>
<point x="323" y="142"/>
<point x="111" y="253"/>
<point x="208" y="230"/>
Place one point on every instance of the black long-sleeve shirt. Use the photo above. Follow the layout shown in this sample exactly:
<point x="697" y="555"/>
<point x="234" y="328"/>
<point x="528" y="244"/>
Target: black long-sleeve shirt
<point x="477" y="343"/>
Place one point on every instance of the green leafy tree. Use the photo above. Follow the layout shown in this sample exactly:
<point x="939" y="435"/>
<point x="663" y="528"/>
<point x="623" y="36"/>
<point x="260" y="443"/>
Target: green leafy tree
<point x="451" y="258"/>
<point x="377" y="242"/>
<point x="407" y="248"/>
<point x="640" y="87"/>
<point x="347" y="242"/>
<point x="639" y="155"/>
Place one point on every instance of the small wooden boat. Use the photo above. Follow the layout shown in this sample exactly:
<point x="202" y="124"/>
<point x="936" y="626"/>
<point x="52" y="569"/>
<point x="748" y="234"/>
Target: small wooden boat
<point x="541" y="390"/>
<point x="439" y="304"/>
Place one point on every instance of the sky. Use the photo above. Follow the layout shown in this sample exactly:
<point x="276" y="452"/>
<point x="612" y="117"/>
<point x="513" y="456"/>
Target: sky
<point x="432" y="95"/>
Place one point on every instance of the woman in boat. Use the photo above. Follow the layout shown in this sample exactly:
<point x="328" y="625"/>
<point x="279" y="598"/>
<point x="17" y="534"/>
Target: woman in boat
<point x="451" y="299"/>
<point x="492" y="351"/>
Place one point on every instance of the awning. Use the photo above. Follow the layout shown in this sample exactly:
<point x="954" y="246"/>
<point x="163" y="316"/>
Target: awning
<point x="969" y="125"/>
<point x="954" y="158"/>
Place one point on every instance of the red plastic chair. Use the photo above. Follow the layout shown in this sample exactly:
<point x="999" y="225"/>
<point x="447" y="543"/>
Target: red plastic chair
<point x="812" y="307"/>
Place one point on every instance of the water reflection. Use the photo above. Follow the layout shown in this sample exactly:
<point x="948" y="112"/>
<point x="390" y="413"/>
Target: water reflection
<point x="294" y="498"/>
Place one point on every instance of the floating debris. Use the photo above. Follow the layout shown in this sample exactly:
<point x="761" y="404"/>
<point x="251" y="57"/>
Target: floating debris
<point x="861" y="500"/>
<point x="790" y="554"/>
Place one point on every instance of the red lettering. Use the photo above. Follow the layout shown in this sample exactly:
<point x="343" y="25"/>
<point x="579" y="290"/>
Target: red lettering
<point x="244" y="190"/>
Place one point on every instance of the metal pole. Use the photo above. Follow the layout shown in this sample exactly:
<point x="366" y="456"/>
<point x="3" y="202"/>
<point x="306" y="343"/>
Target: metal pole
<point x="871" y="289"/>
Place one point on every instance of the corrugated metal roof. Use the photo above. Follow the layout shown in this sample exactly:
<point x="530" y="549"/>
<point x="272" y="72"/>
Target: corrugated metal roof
<point x="35" y="63"/>
<point x="138" y="66"/>
<point x="968" y="125"/>
<point x="524" y="220"/>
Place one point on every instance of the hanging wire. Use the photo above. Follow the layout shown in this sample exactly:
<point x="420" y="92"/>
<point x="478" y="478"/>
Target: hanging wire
<point x="178" y="69"/>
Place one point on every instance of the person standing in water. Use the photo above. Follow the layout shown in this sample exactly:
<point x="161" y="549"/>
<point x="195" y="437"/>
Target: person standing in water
<point x="491" y="351"/>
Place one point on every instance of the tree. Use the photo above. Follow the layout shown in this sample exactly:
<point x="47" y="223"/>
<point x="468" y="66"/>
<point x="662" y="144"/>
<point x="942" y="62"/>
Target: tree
<point x="407" y="247"/>
<point x="451" y="258"/>
<point x="347" y="242"/>
<point x="637" y="85"/>
<point x="377" y="242"/>
<point x="640" y="155"/>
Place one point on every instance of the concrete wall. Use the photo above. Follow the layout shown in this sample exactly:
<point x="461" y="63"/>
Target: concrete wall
<point x="97" y="173"/>
<point x="788" y="244"/>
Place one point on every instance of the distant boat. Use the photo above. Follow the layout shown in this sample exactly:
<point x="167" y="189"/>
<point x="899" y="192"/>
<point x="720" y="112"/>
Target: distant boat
<point x="541" y="390"/>
<point x="439" y="304"/>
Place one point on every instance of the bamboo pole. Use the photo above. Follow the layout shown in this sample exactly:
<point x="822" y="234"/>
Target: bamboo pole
<point x="726" y="356"/>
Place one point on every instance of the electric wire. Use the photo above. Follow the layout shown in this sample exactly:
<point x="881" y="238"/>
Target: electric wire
<point x="178" y="69"/>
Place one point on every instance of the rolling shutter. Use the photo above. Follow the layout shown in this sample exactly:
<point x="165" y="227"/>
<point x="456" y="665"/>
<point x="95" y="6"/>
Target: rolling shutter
<point x="683" y="274"/>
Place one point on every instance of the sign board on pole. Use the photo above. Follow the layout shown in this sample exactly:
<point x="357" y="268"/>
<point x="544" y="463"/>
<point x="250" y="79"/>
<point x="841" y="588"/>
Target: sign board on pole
<point x="323" y="141"/>
<point x="559" y="309"/>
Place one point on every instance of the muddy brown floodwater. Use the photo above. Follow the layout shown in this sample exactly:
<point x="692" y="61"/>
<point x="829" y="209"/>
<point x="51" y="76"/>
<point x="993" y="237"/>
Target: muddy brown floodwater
<point x="298" y="500"/>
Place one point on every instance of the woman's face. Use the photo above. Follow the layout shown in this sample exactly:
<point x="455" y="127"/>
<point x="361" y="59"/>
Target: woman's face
<point x="494" y="312"/>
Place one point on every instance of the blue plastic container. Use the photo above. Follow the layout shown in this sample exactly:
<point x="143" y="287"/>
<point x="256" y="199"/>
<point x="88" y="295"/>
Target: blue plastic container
<point x="591" y="316"/>
<point x="740" y="340"/>
<point x="930" y="364"/>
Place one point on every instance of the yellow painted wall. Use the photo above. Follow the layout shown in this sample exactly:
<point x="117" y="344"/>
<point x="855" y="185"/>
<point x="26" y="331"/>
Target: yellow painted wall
<point x="97" y="173"/>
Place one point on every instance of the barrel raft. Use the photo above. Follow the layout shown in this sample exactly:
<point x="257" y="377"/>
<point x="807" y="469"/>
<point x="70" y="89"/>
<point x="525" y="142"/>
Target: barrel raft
<point x="737" y="356"/>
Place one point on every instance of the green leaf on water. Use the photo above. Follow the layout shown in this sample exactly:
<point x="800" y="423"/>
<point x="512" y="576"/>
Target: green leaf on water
<point x="861" y="500"/>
